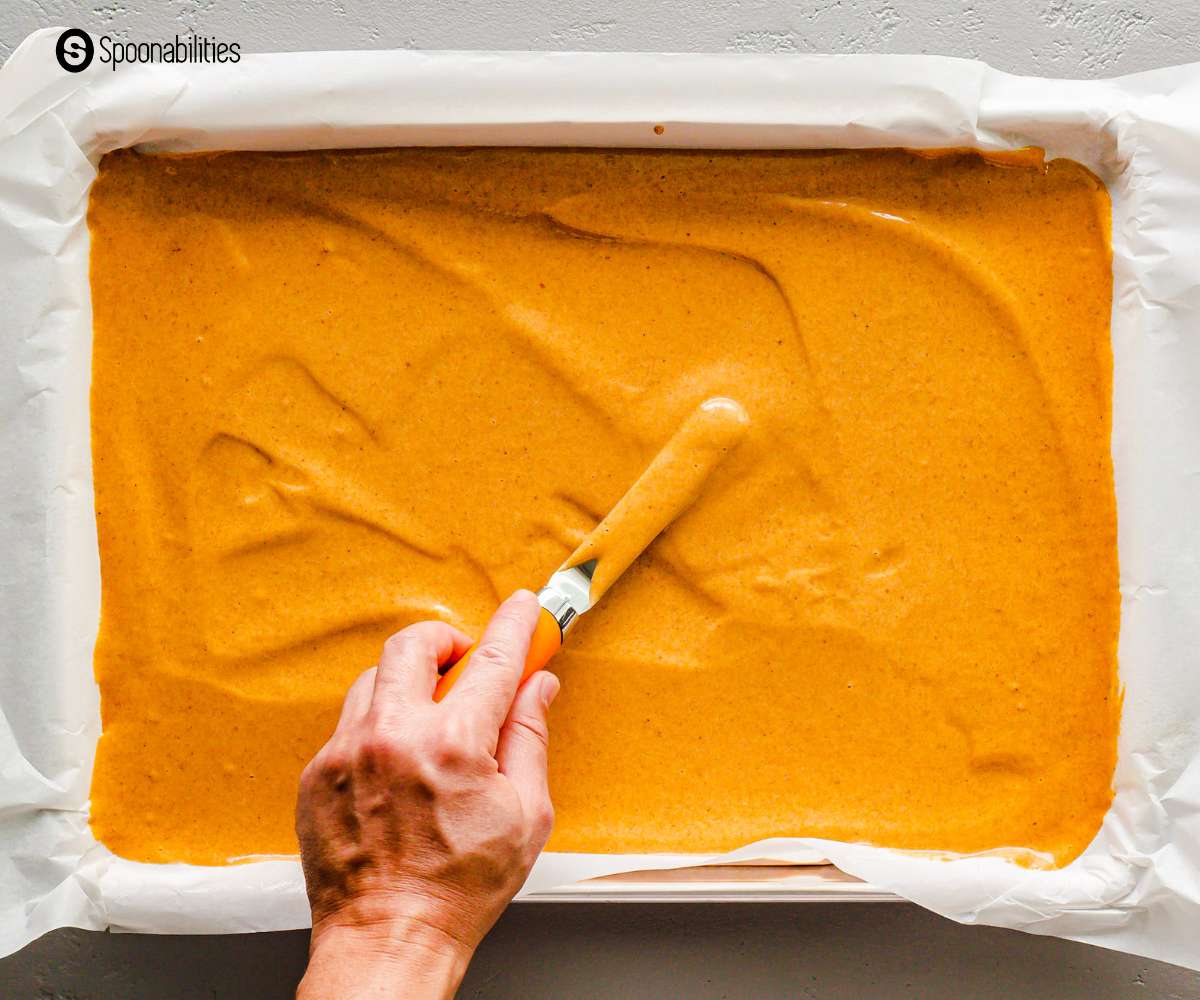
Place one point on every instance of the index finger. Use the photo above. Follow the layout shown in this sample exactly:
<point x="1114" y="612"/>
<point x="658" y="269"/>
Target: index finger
<point x="493" y="674"/>
<point x="408" y="666"/>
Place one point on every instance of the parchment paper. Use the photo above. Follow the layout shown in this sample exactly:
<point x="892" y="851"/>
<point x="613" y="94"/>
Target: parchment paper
<point x="1136" y="888"/>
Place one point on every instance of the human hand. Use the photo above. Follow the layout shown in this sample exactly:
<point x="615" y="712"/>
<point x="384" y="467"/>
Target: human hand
<point x="418" y="821"/>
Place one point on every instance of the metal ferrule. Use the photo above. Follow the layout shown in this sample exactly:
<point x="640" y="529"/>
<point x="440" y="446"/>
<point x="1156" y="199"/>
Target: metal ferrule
<point x="567" y="594"/>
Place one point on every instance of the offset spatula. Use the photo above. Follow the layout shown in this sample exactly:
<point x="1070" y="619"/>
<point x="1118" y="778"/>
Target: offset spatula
<point x="670" y="484"/>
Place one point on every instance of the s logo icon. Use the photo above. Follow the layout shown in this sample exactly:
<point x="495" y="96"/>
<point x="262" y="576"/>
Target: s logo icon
<point x="74" y="50"/>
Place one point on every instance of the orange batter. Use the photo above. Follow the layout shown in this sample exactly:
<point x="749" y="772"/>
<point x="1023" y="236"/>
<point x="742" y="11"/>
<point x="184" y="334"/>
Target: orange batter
<point x="337" y="392"/>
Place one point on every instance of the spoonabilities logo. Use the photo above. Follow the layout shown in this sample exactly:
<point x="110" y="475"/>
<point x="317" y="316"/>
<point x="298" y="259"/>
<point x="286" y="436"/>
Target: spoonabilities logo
<point x="74" y="50"/>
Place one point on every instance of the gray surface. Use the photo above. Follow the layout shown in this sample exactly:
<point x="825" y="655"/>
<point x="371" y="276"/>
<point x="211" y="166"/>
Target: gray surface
<point x="834" y="952"/>
<point x="829" y="950"/>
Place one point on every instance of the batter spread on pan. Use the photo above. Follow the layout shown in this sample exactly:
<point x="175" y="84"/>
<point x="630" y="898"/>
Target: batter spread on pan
<point x="336" y="392"/>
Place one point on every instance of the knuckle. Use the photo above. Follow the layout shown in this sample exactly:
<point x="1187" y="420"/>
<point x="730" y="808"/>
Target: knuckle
<point x="491" y="653"/>
<point x="450" y="747"/>
<point x="398" y="643"/>
<point x="330" y="764"/>
<point x="531" y="727"/>
<point x="412" y="639"/>
<point x="543" y="820"/>
<point x="427" y="782"/>
<point x="308" y="777"/>
<point x="331" y="760"/>
<point x="450" y="756"/>
<point x="329" y="767"/>
<point x="380" y="749"/>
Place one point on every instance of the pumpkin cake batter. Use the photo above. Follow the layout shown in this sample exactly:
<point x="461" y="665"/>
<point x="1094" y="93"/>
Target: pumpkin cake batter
<point x="337" y="392"/>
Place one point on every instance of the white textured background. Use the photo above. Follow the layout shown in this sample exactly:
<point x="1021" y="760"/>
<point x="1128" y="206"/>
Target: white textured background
<point x="835" y="950"/>
<point x="1043" y="37"/>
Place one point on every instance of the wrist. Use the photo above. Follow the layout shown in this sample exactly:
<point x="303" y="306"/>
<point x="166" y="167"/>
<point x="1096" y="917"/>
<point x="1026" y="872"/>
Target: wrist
<point x="384" y="957"/>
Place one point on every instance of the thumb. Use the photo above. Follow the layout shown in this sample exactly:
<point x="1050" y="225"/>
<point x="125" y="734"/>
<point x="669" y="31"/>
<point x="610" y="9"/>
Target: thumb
<point x="521" y="750"/>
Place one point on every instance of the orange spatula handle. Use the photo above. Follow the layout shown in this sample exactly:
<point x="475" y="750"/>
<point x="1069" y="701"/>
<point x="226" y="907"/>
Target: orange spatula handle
<point x="547" y="637"/>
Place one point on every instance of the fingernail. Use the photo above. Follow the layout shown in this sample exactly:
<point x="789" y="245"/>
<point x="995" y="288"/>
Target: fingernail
<point x="523" y="595"/>
<point x="549" y="691"/>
